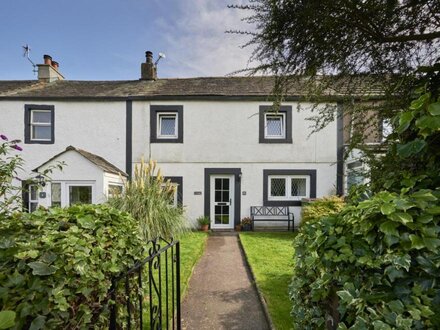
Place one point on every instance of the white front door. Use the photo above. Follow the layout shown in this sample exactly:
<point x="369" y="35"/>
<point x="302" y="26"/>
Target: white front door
<point x="222" y="201"/>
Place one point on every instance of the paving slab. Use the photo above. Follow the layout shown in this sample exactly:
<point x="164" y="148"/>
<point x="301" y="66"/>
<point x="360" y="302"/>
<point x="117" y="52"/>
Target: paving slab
<point x="221" y="294"/>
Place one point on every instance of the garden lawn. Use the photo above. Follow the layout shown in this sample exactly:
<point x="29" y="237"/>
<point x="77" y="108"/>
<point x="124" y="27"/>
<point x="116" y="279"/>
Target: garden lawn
<point x="192" y="246"/>
<point x="270" y="256"/>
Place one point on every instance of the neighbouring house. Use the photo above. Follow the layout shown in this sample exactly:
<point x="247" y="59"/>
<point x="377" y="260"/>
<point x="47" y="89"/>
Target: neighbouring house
<point x="216" y="138"/>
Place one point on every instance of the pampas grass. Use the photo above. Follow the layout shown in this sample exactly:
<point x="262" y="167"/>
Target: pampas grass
<point x="148" y="199"/>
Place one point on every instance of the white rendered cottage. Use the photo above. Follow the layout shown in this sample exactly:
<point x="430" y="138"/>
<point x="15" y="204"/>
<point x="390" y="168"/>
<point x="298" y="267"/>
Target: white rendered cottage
<point x="216" y="138"/>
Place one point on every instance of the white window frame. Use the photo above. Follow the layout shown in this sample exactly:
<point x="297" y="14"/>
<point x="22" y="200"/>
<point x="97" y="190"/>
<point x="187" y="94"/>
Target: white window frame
<point x="174" y="115"/>
<point x="288" y="185"/>
<point x="38" y="124"/>
<point x="65" y="197"/>
<point x="32" y="201"/>
<point x="282" y="115"/>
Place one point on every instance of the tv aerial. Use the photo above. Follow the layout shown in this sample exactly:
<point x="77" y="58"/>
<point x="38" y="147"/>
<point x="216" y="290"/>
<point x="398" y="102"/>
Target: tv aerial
<point x="26" y="51"/>
<point x="161" y="55"/>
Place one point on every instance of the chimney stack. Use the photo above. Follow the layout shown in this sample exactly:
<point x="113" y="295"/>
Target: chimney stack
<point x="148" y="69"/>
<point x="48" y="72"/>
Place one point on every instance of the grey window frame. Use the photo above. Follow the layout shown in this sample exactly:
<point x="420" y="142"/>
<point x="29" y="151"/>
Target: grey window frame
<point x="28" y="108"/>
<point x="155" y="111"/>
<point x="287" y="172"/>
<point x="286" y="111"/>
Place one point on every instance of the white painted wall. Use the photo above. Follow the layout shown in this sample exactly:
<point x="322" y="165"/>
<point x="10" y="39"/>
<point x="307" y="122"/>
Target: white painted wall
<point x="226" y="135"/>
<point x="97" y="127"/>
<point x="228" y="131"/>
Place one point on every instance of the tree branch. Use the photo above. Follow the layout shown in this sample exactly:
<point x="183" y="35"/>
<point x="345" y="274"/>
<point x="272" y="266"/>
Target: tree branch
<point x="411" y="37"/>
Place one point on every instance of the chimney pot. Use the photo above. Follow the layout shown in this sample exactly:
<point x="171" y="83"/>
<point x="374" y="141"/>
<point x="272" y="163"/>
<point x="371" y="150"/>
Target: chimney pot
<point x="149" y="56"/>
<point x="47" y="59"/>
<point x="148" y="69"/>
<point x="55" y="64"/>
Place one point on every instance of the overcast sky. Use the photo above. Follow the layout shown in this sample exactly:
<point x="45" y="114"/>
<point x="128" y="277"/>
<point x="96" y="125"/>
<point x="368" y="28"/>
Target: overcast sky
<point x="107" y="39"/>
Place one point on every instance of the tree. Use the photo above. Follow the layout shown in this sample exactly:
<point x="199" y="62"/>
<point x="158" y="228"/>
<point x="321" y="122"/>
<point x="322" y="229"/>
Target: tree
<point x="339" y="42"/>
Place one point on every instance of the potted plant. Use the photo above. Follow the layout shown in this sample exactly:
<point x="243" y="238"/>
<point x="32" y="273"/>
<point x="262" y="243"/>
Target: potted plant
<point x="203" y="222"/>
<point x="246" y="223"/>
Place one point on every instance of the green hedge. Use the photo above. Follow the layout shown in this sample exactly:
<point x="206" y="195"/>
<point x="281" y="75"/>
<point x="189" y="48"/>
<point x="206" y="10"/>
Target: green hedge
<point x="56" y="265"/>
<point x="374" y="265"/>
<point x="321" y="207"/>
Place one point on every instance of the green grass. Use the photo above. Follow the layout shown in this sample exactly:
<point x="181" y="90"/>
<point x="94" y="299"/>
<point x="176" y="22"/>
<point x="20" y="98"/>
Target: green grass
<point x="270" y="256"/>
<point x="192" y="246"/>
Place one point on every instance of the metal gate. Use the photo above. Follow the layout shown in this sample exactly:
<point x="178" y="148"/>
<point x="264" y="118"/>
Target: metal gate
<point x="147" y="296"/>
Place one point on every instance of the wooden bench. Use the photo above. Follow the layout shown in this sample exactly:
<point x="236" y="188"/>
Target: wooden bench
<point x="272" y="213"/>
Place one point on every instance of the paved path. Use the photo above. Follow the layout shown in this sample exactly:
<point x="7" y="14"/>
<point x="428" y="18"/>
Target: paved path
<point x="221" y="295"/>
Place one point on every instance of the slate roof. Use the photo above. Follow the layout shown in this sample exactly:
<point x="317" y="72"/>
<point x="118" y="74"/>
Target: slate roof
<point x="174" y="88"/>
<point x="103" y="164"/>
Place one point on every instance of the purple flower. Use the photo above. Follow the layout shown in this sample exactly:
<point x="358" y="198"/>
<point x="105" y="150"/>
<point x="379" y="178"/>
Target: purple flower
<point x="3" y="137"/>
<point x="16" y="147"/>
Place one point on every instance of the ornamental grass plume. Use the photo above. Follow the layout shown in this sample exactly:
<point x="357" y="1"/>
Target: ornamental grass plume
<point x="148" y="197"/>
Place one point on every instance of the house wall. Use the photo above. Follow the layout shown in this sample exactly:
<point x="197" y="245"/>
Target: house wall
<point x="76" y="170"/>
<point x="97" y="127"/>
<point x="226" y="135"/>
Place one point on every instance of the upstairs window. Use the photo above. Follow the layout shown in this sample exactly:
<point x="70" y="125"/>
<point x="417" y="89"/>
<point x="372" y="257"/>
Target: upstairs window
<point x="39" y="124"/>
<point x="275" y="126"/>
<point x="166" y="123"/>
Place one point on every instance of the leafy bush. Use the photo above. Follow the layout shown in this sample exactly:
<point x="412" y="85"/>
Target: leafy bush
<point x="148" y="198"/>
<point x="379" y="261"/>
<point x="321" y="207"/>
<point x="10" y="164"/>
<point x="56" y="265"/>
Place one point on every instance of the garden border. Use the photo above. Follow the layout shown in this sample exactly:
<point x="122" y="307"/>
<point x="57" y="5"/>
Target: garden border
<point x="260" y="295"/>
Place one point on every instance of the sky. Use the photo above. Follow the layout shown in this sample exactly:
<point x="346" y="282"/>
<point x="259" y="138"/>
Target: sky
<point x="107" y="39"/>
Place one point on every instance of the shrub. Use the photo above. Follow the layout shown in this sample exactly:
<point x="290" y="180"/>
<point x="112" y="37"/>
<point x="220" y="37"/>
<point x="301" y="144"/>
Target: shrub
<point x="378" y="261"/>
<point x="56" y="265"/>
<point x="203" y="220"/>
<point x="321" y="207"/>
<point x="148" y="198"/>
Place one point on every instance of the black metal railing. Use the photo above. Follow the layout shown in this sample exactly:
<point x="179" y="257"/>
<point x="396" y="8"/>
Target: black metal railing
<point x="147" y="296"/>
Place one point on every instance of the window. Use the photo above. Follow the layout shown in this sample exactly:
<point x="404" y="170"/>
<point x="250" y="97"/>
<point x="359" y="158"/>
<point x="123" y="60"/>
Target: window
<point x="275" y="126"/>
<point x="386" y="128"/>
<point x="288" y="187"/>
<point x="177" y="182"/>
<point x="166" y="124"/>
<point x="55" y="194"/>
<point x="114" y="190"/>
<point x="355" y="174"/>
<point x="80" y="195"/>
<point x="33" y="197"/>
<point x="39" y="124"/>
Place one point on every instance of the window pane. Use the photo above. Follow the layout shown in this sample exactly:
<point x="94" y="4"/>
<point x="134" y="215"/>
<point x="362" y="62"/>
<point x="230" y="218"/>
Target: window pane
<point x="80" y="195"/>
<point x="33" y="193"/>
<point x="277" y="187"/>
<point x="41" y="117"/>
<point x="168" y="125"/>
<point x="114" y="190"/>
<point x="41" y="132"/>
<point x="274" y="125"/>
<point x="33" y="207"/>
<point x="299" y="187"/>
<point x="56" y="194"/>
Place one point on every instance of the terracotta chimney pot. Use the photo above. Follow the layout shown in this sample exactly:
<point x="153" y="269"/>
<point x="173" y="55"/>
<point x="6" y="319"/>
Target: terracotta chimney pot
<point x="55" y="64"/>
<point x="47" y="59"/>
